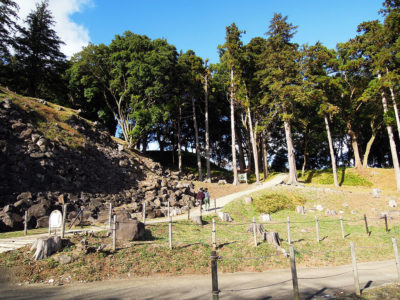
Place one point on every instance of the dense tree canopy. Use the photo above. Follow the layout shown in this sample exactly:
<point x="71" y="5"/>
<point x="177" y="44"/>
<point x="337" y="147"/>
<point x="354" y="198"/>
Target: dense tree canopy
<point x="269" y="103"/>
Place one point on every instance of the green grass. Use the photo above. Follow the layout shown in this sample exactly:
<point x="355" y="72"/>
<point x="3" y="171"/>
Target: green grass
<point x="12" y="234"/>
<point x="345" y="176"/>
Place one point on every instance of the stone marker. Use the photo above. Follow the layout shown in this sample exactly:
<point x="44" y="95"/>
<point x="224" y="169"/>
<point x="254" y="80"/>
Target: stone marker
<point x="248" y="200"/>
<point x="265" y="218"/>
<point x="224" y="216"/>
<point x="300" y="210"/>
<point x="392" y="203"/>
<point x="376" y="193"/>
<point x="319" y="207"/>
<point x="221" y="181"/>
<point x="130" y="230"/>
<point x="259" y="228"/>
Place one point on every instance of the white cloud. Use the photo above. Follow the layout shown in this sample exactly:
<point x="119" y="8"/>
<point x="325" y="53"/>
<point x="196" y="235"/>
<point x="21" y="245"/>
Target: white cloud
<point x="74" y="36"/>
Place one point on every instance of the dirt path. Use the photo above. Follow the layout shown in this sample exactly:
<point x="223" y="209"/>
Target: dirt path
<point x="314" y="283"/>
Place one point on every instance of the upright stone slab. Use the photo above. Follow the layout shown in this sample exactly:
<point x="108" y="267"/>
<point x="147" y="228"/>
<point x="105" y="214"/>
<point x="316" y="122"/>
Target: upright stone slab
<point x="130" y="230"/>
<point x="376" y="193"/>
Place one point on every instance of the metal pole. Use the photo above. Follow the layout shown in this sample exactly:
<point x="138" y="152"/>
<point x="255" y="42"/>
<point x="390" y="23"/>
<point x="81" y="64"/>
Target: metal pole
<point x="366" y="224"/>
<point x="342" y="227"/>
<point x="214" y="235"/>
<point x="296" y="293"/>
<point x="144" y="212"/>
<point x="26" y="223"/>
<point x="215" y="205"/>
<point x="255" y="231"/>
<point x="396" y="255"/>
<point x="170" y="231"/>
<point x="386" y="224"/>
<point x="214" y="275"/>
<point x="288" y="231"/>
<point x="114" y="228"/>
<point x="63" y="220"/>
<point x="355" y="270"/>
<point x="317" y="227"/>
<point x="110" y="216"/>
<point x="168" y="214"/>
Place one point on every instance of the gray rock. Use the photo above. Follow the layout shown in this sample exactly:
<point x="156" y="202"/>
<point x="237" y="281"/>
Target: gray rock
<point x="376" y="193"/>
<point x="45" y="246"/>
<point x="265" y="218"/>
<point x="130" y="230"/>
<point x="64" y="259"/>
<point x="392" y="203"/>
<point x="248" y="200"/>
<point x="224" y="216"/>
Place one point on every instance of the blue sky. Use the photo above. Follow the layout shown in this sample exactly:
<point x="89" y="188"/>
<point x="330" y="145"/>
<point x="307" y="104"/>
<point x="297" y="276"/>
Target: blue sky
<point x="200" y="25"/>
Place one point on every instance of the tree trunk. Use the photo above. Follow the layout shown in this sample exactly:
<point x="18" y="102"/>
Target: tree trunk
<point x="254" y="145"/>
<point x="354" y="145"/>
<point x="208" y="177"/>
<point x="396" y="111"/>
<point x="393" y="150"/>
<point x="290" y="149"/>
<point x="179" y="141"/>
<point x="368" y="149"/>
<point x="249" y="154"/>
<point x="332" y="152"/>
<point x="265" y="154"/>
<point x="242" y="164"/>
<point x="196" y="134"/>
<point x="305" y="154"/>
<point x="234" y="165"/>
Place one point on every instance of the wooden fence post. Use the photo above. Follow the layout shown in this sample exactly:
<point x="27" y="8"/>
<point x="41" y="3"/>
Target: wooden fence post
<point x="144" y="212"/>
<point x="26" y="223"/>
<point x="214" y="275"/>
<point x="214" y="235"/>
<point x="296" y="293"/>
<point x="366" y="224"/>
<point x="255" y="231"/>
<point x="215" y="205"/>
<point x="114" y="229"/>
<point x="386" y="224"/>
<point x="355" y="270"/>
<point x="396" y="255"/>
<point x="317" y="227"/>
<point x="288" y="231"/>
<point x="188" y="212"/>
<point x="342" y="227"/>
<point x="170" y="231"/>
<point x="110" y="211"/>
<point x="168" y="213"/>
<point x="63" y="220"/>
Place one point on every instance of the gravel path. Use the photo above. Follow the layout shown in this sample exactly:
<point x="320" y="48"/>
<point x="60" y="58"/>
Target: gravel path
<point x="314" y="283"/>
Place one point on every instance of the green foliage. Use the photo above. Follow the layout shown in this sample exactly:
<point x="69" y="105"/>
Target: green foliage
<point x="271" y="202"/>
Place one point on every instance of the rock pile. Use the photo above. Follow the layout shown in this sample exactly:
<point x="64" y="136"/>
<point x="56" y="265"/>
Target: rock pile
<point x="39" y="173"/>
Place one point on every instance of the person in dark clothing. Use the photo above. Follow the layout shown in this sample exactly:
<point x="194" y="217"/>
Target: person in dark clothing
<point x="200" y="197"/>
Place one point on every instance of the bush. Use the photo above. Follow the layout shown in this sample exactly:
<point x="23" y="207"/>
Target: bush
<point x="273" y="202"/>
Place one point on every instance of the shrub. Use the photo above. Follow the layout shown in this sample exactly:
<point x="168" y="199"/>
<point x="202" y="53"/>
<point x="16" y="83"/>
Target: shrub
<point x="273" y="202"/>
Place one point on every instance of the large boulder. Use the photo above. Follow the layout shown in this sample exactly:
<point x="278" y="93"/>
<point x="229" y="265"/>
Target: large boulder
<point x="130" y="230"/>
<point x="38" y="210"/>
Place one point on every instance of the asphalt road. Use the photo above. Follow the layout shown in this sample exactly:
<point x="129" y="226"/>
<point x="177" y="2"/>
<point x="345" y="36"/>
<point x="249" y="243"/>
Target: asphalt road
<point x="314" y="283"/>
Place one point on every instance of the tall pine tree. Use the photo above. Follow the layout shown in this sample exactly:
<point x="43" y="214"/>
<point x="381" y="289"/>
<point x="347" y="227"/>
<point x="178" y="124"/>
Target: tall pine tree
<point x="38" y="55"/>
